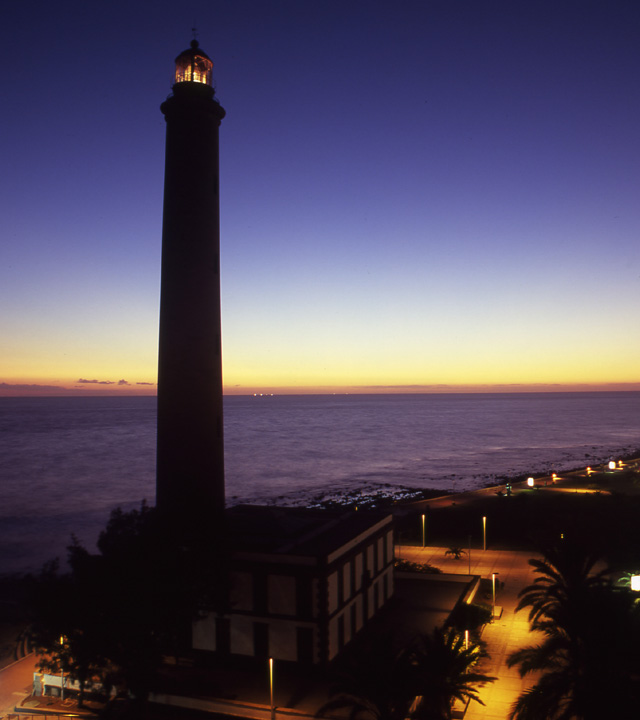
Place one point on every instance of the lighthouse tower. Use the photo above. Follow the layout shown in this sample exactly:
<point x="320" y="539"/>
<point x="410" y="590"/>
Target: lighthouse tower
<point x="190" y="455"/>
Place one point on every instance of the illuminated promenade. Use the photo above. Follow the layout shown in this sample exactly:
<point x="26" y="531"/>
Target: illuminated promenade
<point x="507" y="633"/>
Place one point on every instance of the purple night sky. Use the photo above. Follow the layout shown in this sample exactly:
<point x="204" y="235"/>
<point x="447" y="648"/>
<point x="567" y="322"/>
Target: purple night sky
<point x="415" y="195"/>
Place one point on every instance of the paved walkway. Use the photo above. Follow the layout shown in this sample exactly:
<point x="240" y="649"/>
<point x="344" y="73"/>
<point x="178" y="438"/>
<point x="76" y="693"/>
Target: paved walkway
<point x="507" y="633"/>
<point x="16" y="680"/>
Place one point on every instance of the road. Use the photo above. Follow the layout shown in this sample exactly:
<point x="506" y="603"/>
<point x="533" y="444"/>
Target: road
<point x="15" y="683"/>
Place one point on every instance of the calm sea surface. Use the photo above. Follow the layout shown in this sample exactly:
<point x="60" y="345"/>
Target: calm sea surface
<point x="66" y="462"/>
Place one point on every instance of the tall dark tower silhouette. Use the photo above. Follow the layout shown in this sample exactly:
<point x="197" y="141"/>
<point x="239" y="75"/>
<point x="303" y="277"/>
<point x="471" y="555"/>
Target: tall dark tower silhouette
<point x="190" y="455"/>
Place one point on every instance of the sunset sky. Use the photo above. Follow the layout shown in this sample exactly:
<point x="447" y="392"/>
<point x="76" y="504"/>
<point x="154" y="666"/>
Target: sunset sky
<point x="415" y="195"/>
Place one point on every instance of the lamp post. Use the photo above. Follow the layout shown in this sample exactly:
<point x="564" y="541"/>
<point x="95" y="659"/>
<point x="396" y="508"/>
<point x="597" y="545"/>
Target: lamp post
<point x="423" y="530"/>
<point x="493" y="604"/>
<point x="273" y="710"/>
<point x="61" y="668"/>
<point x="484" y="532"/>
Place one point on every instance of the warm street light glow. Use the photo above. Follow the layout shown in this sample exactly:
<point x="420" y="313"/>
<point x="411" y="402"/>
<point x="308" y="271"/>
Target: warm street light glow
<point x="493" y="604"/>
<point x="423" y="531"/>
<point x="61" y="669"/>
<point x="635" y="583"/>
<point x="273" y="710"/>
<point x="484" y="532"/>
<point x="530" y="482"/>
<point x="589" y="471"/>
<point x="612" y="465"/>
<point x="466" y="639"/>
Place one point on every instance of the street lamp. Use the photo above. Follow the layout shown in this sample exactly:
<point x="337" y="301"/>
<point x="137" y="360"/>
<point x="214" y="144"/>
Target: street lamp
<point x="530" y="482"/>
<point x="635" y="583"/>
<point x="423" y="530"/>
<point x="273" y="710"/>
<point x="493" y="606"/>
<point x="484" y="532"/>
<point x="61" y="668"/>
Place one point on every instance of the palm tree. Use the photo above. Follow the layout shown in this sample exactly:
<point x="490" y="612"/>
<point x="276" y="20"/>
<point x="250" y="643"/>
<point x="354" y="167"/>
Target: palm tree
<point x="457" y="552"/>
<point x="372" y="683"/>
<point x="442" y="672"/>
<point x="587" y="656"/>
<point x="566" y="572"/>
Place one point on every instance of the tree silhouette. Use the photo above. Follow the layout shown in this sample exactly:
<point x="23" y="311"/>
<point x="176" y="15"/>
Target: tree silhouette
<point x="457" y="552"/>
<point x="122" y="609"/>
<point x="587" y="656"/>
<point x="565" y="574"/>
<point x="372" y="683"/>
<point x="442" y="672"/>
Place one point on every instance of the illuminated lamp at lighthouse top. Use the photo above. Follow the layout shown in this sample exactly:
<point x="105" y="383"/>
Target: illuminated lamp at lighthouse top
<point x="194" y="66"/>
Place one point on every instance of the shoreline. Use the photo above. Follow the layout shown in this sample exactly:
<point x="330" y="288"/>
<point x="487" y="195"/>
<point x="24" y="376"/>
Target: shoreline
<point x="362" y="494"/>
<point x="383" y="495"/>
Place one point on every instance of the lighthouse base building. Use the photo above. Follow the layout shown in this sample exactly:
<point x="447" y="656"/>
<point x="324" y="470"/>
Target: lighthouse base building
<point x="302" y="583"/>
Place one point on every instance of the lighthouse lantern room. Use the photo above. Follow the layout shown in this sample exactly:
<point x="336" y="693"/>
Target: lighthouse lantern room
<point x="193" y="65"/>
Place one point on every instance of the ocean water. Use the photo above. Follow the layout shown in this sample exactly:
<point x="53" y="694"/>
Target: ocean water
<point x="65" y="463"/>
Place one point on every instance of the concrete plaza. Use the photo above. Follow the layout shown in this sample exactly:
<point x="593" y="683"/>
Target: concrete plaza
<point x="508" y="632"/>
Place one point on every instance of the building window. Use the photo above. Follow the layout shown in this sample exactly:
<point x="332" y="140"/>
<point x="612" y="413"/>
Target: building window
<point x="304" y="607"/>
<point x="223" y="635"/>
<point x="304" y="641"/>
<point x="261" y="640"/>
<point x="260" y="594"/>
<point x="346" y="575"/>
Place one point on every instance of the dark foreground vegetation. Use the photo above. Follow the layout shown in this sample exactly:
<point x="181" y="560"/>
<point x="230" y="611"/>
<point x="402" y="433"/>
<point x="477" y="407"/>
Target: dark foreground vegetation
<point x="115" y="615"/>
<point x="587" y="658"/>
<point x="376" y="680"/>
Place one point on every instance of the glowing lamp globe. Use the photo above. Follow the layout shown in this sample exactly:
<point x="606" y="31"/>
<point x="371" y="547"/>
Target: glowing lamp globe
<point x="612" y="465"/>
<point x="530" y="482"/>
<point x="635" y="583"/>
<point x="194" y="65"/>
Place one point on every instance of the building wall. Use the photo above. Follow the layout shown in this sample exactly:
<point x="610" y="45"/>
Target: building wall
<point x="300" y="613"/>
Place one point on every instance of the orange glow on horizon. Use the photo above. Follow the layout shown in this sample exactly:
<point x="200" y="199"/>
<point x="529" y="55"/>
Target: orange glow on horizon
<point x="126" y="383"/>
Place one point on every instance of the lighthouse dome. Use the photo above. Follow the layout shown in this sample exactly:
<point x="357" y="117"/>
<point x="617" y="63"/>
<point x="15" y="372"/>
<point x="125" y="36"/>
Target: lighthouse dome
<point x="194" y="65"/>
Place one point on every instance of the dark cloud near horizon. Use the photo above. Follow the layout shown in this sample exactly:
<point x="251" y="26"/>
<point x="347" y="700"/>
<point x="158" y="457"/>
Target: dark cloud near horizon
<point x="18" y="386"/>
<point x="96" y="382"/>
<point x="123" y="382"/>
<point x="144" y="383"/>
